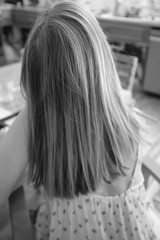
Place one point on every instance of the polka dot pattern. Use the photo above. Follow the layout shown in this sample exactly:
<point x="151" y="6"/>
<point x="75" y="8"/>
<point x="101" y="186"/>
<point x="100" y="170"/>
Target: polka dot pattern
<point x="95" y="217"/>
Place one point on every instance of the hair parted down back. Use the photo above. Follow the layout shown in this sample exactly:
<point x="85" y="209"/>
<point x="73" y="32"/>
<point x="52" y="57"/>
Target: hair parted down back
<point x="79" y="126"/>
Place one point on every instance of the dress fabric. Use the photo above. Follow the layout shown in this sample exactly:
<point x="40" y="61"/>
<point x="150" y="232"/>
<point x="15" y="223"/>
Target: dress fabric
<point x="93" y="217"/>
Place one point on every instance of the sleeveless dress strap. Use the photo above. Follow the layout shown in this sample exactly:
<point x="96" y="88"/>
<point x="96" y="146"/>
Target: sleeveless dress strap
<point x="134" y="172"/>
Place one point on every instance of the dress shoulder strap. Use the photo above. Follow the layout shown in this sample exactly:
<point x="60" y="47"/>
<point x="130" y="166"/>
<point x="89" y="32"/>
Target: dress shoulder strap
<point x="135" y="169"/>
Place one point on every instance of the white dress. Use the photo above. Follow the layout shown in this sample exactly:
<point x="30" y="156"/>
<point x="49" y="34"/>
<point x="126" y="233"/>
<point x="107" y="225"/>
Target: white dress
<point x="93" y="217"/>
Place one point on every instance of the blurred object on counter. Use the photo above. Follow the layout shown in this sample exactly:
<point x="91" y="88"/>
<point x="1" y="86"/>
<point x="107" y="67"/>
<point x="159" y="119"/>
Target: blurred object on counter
<point x="152" y="10"/>
<point x="143" y="8"/>
<point x="101" y="6"/>
<point x="14" y="1"/>
<point x="34" y="2"/>
<point x="125" y="8"/>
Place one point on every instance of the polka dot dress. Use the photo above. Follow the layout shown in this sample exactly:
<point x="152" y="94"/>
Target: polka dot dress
<point x="95" y="217"/>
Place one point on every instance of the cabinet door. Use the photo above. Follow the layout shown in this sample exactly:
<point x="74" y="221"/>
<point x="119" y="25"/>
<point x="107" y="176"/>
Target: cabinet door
<point x="152" y="73"/>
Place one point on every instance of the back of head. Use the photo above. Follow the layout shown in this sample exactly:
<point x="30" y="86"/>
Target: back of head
<point x="79" y="127"/>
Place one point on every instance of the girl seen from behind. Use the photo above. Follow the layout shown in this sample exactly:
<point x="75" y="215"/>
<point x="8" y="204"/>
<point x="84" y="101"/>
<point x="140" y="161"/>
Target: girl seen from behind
<point x="79" y="138"/>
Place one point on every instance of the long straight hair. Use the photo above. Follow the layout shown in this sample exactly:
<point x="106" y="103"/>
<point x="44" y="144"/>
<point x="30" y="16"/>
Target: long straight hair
<point x="79" y="126"/>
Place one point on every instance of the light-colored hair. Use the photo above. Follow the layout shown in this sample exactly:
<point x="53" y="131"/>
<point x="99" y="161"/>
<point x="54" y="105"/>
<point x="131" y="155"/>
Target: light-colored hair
<point x="80" y="129"/>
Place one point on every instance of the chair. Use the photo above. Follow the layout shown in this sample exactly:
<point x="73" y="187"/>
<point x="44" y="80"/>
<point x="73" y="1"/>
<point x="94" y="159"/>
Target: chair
<point x="21" y="225"/>
<point x="23" y="207"/>
<point x="151" y="162"/>
<point x="151" y="173"/>
<point x="126" y="67"/>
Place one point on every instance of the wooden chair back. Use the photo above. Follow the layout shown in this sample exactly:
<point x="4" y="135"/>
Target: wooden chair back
<point x="151" y="162"/>
<point x="126" y="67"/>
